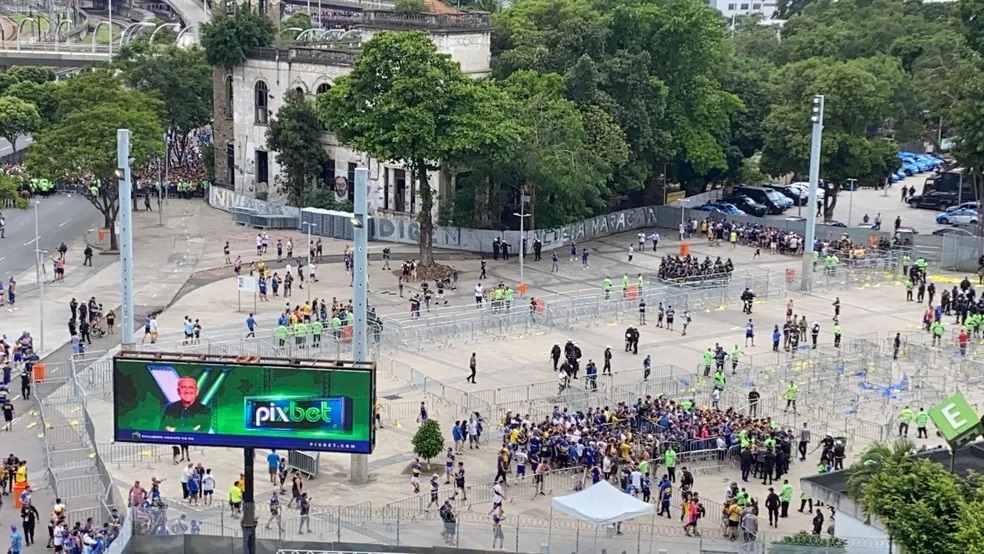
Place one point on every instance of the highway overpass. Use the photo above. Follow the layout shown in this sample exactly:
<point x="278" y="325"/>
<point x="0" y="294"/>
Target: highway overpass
<point x="54" y="54"/>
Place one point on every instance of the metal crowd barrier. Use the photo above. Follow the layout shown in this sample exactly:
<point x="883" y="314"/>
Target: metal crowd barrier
<point x="305" y="462"/>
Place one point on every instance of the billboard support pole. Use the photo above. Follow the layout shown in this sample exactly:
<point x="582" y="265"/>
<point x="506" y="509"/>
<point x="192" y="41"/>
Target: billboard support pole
<point x="359" y="468"/>
<point x="816" y="119"/>
<point x="125" y="219"/>
<point x="249" y="507"/>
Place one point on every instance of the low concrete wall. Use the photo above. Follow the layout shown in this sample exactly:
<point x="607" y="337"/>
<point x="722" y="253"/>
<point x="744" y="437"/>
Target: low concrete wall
<point x="204" y="544"/>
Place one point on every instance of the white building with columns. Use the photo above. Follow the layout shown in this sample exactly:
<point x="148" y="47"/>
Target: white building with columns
<point x="247" y="99"/>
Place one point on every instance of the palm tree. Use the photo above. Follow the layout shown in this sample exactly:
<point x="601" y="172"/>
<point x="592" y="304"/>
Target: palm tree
<point x="877" y="458"/>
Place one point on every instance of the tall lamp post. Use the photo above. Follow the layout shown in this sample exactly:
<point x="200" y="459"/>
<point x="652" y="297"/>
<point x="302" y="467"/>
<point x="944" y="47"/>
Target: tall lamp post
<point x="852" y="184"/>
<point x="522" y="215"/>
<point x="359" y="463"/>
<point x="816" y="119"/>
<point x="308" y="225"/>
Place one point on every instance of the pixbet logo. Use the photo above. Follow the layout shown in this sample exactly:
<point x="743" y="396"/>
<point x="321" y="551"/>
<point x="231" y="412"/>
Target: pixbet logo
<point x="311" y="413"/>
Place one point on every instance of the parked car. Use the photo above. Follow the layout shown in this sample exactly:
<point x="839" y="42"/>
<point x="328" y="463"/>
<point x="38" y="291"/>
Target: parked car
<point x="710" y="208"/>
<point x="795" y="194"/>
<point x="962" y="215"/>
<point x="805" y="187"/>
<point x="909" y="166"/>
<point x="772" y="200"/>
<point x="834" y="223"/>
<point x="747" y="205"/>
<point x="976" y="206"/>
<point x="935" y="200"/>
<point x="956" y="231"/>
<point x="728" y="209"/>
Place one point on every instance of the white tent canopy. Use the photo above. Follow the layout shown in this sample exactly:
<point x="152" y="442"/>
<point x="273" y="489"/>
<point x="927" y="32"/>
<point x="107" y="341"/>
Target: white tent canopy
<point x="602" y="504"/>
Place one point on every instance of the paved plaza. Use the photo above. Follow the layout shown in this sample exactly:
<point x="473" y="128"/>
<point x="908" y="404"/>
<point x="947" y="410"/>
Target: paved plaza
<point x="854" y="391"/>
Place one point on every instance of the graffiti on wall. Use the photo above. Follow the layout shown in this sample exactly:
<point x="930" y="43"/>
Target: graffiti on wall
<point x="480" y="240"/>
<point x="228" y="200"/>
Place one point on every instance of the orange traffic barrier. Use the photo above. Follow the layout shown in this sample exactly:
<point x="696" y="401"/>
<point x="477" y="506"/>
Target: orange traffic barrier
<point x="684" y="249"/>
<point x="347" y="333"/>
<point x="633" y="292"/>
<point x="102" y="235"/>
<point x="19" y="489"/>
<point x="39" y="371"/>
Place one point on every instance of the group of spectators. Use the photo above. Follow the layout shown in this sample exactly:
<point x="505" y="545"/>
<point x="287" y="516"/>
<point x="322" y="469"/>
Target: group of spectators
<point x="672" y="268"/>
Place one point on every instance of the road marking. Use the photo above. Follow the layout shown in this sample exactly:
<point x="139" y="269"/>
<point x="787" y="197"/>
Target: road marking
<point x="66" y="222"/>
<point x="3" y="258"/>
<point x="32" y="241"/>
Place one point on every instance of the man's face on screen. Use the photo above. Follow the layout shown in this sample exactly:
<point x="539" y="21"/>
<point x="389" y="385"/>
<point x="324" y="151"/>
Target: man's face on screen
<point x="187" y="390"/>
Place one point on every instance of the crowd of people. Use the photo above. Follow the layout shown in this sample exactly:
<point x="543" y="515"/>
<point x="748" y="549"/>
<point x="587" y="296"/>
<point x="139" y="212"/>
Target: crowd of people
<point x="687" y="268"/>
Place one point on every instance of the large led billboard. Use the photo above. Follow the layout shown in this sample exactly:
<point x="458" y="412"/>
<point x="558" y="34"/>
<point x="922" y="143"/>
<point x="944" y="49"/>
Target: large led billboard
<point x="223" y="401"/>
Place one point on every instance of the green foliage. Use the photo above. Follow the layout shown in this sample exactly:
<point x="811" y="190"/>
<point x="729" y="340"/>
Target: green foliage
<point x="404" y="101"/>
<point x="81" y="144"/>
<point x="34" y="74"/>
<point x="228" y="40"/>
<point x="17" y="118"/>
<point x="971" y="14"/>
<point x="41" y="96"/>
<point x="806" y="539"/>
<point x="10" y="191"/>
<point x="179" y="77"/>
<point x="297" y="23"/>
<point x="409" y="6"/>
<point x="428" y="441"/>
<point x="295" y="136"/>
<point x="887" y="485"/>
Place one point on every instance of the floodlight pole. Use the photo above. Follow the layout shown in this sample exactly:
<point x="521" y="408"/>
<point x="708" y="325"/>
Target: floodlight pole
<point x="125" y="218"/>
<point x="816" y="117"/>
<point x="249" y="506"/>
<point x="359" y="467"/>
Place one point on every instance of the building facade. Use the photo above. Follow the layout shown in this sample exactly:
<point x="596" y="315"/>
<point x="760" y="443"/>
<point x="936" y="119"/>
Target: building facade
<point x="246" y="100"/>
<point x="736" y="8"/>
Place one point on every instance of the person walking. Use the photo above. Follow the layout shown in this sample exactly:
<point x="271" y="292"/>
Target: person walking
<point x="772" y="505"/>
<point x="472" y="366"/>
<point x="16" y="541"/>
<point x="29" y="517"/>
<point x="785" y="496"/>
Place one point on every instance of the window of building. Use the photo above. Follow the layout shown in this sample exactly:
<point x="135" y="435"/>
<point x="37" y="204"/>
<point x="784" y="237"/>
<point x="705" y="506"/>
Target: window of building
<point x="262" y="167"/>
<point x="261" y="102"/>
<point x="231" y="162"/>
<point x="323" y="88"/>
<point x="229" y="96"/>
<point x="756" y="6"/>
<point x="744" y="7"/>
<point x="351" y="180"/>
<point x="262" y="7"/>
<point x="400" y="199"/>
<point x="386" y="188"/>
<point x="731" y="7"/>
<point x="300" y="90"/>
<point x="328" y="173"/>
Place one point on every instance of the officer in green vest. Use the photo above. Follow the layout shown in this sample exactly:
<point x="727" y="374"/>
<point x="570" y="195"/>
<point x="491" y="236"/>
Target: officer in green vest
<point x="639" y="282"/>
<point x="708" y="358"/>
<point x="922" y="265"/>
<point x="906" y="262"/>
<point x="837" y="335"/>
<point x="785" y="497"/>
<point x="816" y="259"/>
<point x="94" y="190"/>
<point x="336" y="326"/>
<point x="281" y="334"/>
<point x="905" y="418"/>
<point x="736" y="354"/>
<point x="300" y="333"/>
<point x="669" y="460"/>
<point x="921" y="419"/>
<point x="792" y="392"/>
<point x="719" y="380"/>
<point x="625" y="284"/>
<point x="316" y="329"/>
<point x="804" y="498"/>
<point x="606" y="286"/>
<point x="508" y="294"/>
<point x="908" y="290"/>
<point x="937" y="329"/>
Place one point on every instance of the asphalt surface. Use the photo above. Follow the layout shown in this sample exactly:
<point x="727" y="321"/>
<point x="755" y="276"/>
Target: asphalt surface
<point x="61" y="217"/>
<point x="22" y="143"/>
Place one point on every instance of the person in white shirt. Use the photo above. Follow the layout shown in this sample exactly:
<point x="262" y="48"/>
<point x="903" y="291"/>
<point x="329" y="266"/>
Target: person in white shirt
<point x="58" y="533"/>
<point x="478" y="294"/>
<point x="655" y="240"/>
<point x="472" y="433"/>
<point x="636" y="477"/>
<point x="259" y="244"/>
<point x="208" y="487"/>
<point x="642" y="241"/>
<point x="683" y="232"/>
<point x="153" y="329"/>
<point x="312" y="269"/>
<point x="186" y="475"/>
<point x="497" y="497"/>
<point x="180" y="526"/>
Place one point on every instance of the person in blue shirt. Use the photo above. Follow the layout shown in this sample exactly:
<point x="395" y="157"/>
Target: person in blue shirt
<point x="273" y="465"/>
<point x="448" y="466"/>
<point x="647" y="367"/>
<point x="435" y="487"/>
<point x="194" y="487"/>
<point x="646" y="489"/>
<point x="459" y="482"/>
<point x="16" y="542"/>
<point x="776" y="337"/>
<point x="595" y="474"/>
<point x="458" y="436"/>
<point x="251" y="325"/>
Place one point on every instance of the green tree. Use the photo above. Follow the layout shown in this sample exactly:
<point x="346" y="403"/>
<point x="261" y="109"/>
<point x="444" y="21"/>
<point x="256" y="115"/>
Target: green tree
<point x="180" y="78"/>
<point x="81" y="144"/>
<point x="971" y="14"/>
<point x="42" y="96"/>
<point x="294" y="25"/>
<point x="428" y="441"/>
<point x="17" y="118"/>
<point x="34" y="74"/>
<point x="404" y="101"/>
<point x="295" y="136"/>
<point x="10" y="191"/>
<point x="409" y="6"/>
<point x="228" y="39"/>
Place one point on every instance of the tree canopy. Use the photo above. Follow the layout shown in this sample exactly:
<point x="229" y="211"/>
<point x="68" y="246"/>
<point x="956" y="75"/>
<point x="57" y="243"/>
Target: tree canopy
<point x="80" y="146"/>
<point x="228" y="39"/>
<point x="887" y="484"/>
<point x="295" y="136"/>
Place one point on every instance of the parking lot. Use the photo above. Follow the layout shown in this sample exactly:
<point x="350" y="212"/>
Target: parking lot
<point x="852" y="207"/>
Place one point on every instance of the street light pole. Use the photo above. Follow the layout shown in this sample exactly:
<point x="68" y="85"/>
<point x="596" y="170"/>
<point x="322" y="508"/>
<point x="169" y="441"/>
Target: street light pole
<point x="816" y="118"/>
<point x="522" y="215"/>
<point x="37" y="245"/>
<point x="359" y="463"/>
<point x="308" y="225"/>
<point x="850" y="204"/>
<point x="41" y="254"/>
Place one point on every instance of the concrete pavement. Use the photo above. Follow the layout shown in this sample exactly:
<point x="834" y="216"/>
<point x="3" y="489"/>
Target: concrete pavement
<point x="61" y="217"/>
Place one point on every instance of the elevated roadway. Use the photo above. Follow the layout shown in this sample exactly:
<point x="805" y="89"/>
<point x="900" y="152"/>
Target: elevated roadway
<point x="54" y="54"/>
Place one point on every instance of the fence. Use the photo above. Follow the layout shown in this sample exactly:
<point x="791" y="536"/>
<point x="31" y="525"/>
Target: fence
<point x="961" y="253"/>
<point x="362" y="525"/>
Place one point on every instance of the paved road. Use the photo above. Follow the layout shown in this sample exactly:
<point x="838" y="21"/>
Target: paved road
<point x="22" y="143"/>
<point x="62" y="217"/>
<point x="191" y="11"/>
